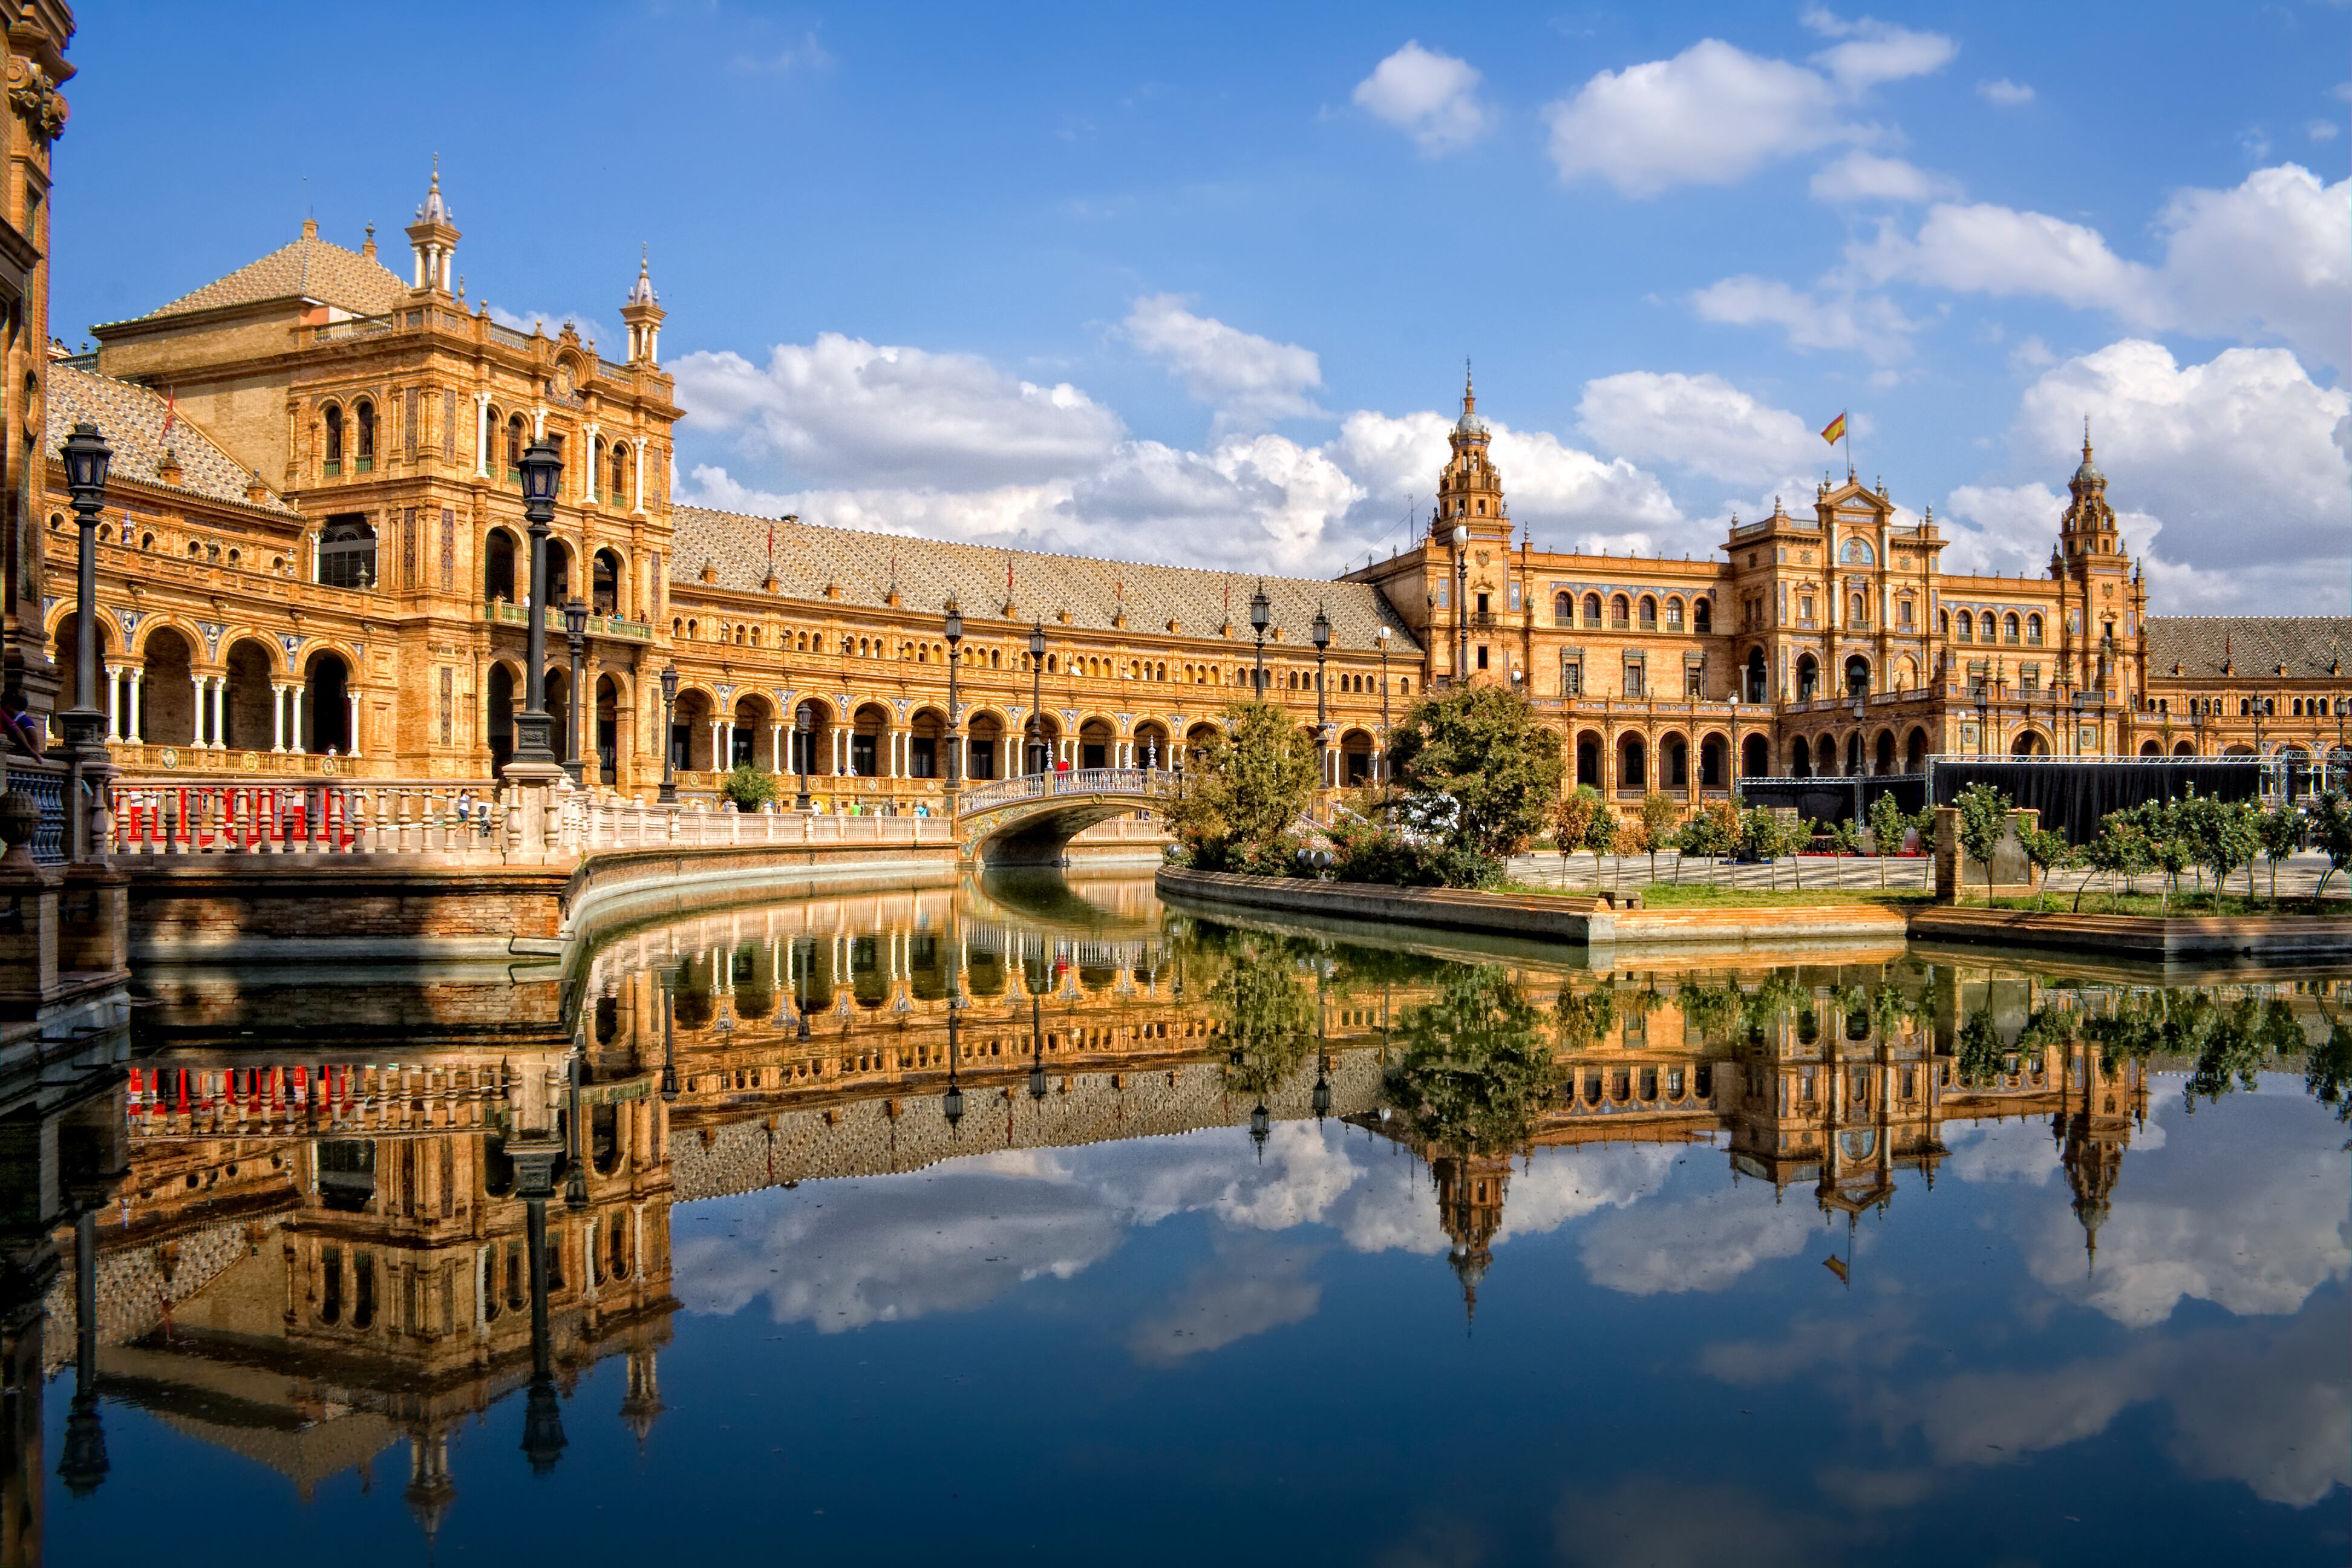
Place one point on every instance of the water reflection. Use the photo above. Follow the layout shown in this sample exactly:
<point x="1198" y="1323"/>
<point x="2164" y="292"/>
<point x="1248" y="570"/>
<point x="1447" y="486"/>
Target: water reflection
<point x="307" y="1230"/>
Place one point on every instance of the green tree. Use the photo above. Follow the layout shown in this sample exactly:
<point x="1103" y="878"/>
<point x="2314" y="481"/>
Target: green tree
<point x="1983" y="815"/>
<point x="1475" y="1065"/>
<point x="1886" y="825"/>
<point x="2327" y="1068"/>
<point x="1571" y="825"/>
<point x="2331" y="833"/>
<point x="1582" y="1017"/>
<point x="1483" y="748"/>
<point x="1266" y="1011"/>
<point x="1768" y="835"/>
<point x="1711" y="833"/>
<point x="748" y="787"/>
<point x="2048" y="850"/>
<point x="2281" y="830"/>
<point x="2119" y="851"/>
<point x="1242" y="785"/>
<point x="1661" y="815"/>
<point x="2222" y="835"/>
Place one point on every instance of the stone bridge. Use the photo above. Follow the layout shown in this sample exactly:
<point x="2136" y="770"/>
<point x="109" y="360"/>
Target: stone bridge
<point x="1028" y="821"/>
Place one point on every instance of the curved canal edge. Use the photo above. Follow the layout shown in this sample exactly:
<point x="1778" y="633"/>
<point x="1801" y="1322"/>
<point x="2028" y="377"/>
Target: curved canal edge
<point x="1594" y="922"/>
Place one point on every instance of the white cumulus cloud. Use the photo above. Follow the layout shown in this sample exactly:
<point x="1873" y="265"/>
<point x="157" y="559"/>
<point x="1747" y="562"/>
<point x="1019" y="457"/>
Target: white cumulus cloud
<point x="1860" y="176"/>
<point x="2004" y="93"/>
<point x="1871" y="52"/>
<point x="1247" y="379"/>
<point x="1712" y="115"/>
<point x="1839" y="321"/>
<point x="1431" y="97"/>
<point x="1700" y="421"/>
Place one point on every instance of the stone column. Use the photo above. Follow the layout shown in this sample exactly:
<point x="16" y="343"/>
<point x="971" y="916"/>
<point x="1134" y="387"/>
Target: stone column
<point x="277" y="716"/>
<point x="220" y="712"/>
<point x="138" y="704"/>
<point x="196" y="716"/>
<point x="588" y="449"/>
<point x="637" y="506"/>
<point x="294" y="719"/>
<point x="482" y="434"/>
<point x="776" y="748"/>
<point x="114" y="702"/>
<point x="353" y="732"/>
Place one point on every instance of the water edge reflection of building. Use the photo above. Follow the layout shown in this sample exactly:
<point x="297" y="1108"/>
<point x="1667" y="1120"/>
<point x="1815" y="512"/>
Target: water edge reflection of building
<point x="308" y="1254"/>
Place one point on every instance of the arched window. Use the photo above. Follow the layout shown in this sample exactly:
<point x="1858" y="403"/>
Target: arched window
<point x="620" y="471"/>
<point x="1857" y="611"/>
<point x="1968" y="628"/>
<point x="1674" y="614"/>
<point x="2009" y="627"/>
<point x="334" y="418"/>
<point x="1619" y="611"/>
<point x="1563" y="609"/>
<point x="1649" y="613"/>
<point x="1703" y="615"/>
<point x="2033" y="630"/>
<point x="363" y="421"/>
<point x="516" y="434"/>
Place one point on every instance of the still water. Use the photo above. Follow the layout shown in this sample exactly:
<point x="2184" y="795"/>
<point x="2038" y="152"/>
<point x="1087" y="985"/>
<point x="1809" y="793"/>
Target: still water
<point x="1242" y="1243"/>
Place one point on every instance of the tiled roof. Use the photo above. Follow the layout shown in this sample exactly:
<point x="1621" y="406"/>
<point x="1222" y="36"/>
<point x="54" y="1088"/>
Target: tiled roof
<point x="2253" y="645"/>
<point x="309" y="269"/>
<point x="131" y="419"/>
<point x="809" y="556"/>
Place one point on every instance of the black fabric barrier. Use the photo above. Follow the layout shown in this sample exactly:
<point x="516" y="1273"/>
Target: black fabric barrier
<point x="2072" y="797"/>
<point x="1832" y="798"/>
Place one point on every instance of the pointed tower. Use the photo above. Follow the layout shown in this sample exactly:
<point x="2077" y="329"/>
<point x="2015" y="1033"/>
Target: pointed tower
<point x="643" y="1401"/>
<point x="1470" y="490"/>
<point x="2100" y="599"/>
<point x="432" y="238"/>
<point x="644" y="314"/>
<point x="1470" y="1192"/>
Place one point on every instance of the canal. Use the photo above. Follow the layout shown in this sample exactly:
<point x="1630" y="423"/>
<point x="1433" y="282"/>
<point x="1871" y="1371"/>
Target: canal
<point x="1031" y="1221"/>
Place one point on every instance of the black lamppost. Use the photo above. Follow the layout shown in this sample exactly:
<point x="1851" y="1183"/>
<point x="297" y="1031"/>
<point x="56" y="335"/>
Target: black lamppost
<point x="1382" y="636"/>
<point x="951" y="1102"/>
<point x="668" y="734"/>
<point x="575" y="1178"/>
<point x="86" y="458"/>
<point x="955" y="709"/>
<point x="1260" y="612"/>
<point x="1320" y="630"/>
<point x="576" y="629"/>
<point x="84" y="1465"/>
<point x="541" y="470"/>
<point x="804" y="726"/>
<point x="542" y="1415"/>
<point x="1036" y="697"/>
<point x="669" y="1034"/>
<point x="1037" y="1047"/>
<point x="1461" y="602"/>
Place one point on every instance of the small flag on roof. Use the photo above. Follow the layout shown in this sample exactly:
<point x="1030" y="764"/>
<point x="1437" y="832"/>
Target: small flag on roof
<point x="1834" y="431"/>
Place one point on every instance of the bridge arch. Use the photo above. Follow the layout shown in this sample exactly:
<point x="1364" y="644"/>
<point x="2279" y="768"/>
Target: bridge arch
<point x="1028" y="820"/>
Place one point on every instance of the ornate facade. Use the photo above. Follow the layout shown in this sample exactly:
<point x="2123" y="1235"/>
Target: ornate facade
<point x="313" y="559"/>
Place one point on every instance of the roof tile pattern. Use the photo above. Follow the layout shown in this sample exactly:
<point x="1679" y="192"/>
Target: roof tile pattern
<point x="131" y="419"/>
<point x="2253" y="646"/>
<point x="309" y="269"/>
<point x="810" y="556"/>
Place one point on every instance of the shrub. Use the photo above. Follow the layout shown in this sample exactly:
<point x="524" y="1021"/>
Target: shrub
<point x="748" y="787"/>
<point x="1244" y="785"/>
<point x="1375" y="852"/>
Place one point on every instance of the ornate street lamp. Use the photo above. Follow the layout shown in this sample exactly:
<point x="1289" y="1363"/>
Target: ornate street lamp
<point x="1461" y="604"/>
<point x="1382" y="636"/>
<point x="1036" y="696"/>
<point x="669" y="1034"/>
<point x="87" y="458"/>
<point x="1261" y="1124"/>
<point x="955" y="709"/>
<point x="541" y="468"/>
<point x="804" y="725"/>
<point x="951" y="1102"/>
<point x="669" y="731"/>
<point x="1319" y="628"/>
<point x="575" y="1178"/>
<point x="1261" y="610"/>
<point x="84" y="1464"/>
<point x="576" y="629"/>
<point x="1036" y="1049"/>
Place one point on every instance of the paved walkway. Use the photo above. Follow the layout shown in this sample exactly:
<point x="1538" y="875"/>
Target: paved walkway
<point x="2297" y="876"/>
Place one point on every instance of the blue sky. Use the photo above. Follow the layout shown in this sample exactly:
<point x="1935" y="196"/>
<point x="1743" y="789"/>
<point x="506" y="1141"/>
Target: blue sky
<point x="1197" y="285"/>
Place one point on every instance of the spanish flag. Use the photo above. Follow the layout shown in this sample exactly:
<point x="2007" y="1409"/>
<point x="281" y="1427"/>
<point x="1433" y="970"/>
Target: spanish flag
<point x="1834" y="431"/>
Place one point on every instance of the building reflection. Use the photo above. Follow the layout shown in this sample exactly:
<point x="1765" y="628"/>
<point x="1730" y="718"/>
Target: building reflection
<point x="310" y="1236"/>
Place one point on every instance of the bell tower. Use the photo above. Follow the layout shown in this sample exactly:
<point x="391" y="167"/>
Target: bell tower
<point x="432" y="238"/>
<point x="1470" y="487"/>
<point x="643" y="314"/>
<point x="2102" y="598"/>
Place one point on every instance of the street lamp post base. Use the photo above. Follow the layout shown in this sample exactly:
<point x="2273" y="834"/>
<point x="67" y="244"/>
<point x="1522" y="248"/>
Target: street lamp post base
<point x="534" y="753"/>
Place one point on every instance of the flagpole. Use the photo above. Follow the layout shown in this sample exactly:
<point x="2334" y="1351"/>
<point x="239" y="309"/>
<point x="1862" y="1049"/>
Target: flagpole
<point x="1847" y="432"/>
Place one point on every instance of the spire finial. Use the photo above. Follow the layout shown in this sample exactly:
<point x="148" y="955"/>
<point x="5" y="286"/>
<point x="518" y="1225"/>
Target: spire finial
<point x="1469" y="387"/>
<point x="2086" y="438"/>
